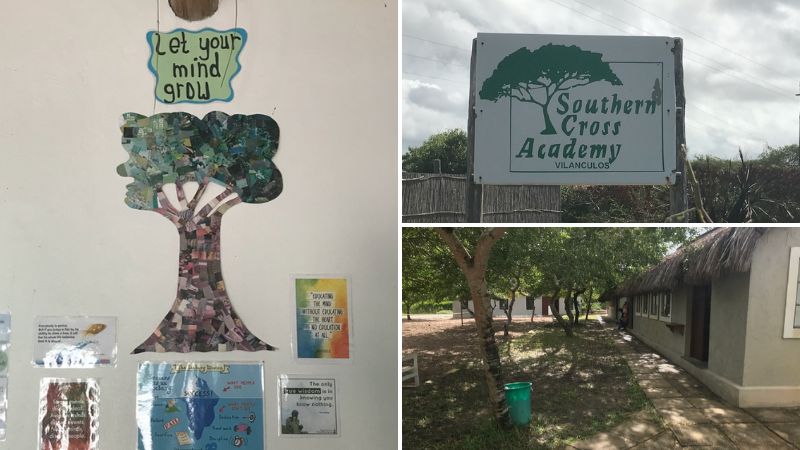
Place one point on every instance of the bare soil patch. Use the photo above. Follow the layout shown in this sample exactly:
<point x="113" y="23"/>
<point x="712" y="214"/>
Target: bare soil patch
<point x="442" y="344"/>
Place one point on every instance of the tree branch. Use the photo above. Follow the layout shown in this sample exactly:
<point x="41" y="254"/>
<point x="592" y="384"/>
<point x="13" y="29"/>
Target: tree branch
<point x="203" y="213"/>
<point x="179" y="191"/>
<point x="201" y="188"/>
<point x="488" y="238"/>
<point x="167" y="210"/>
<point x="225" y="206"/>
<point x="463" y="258"/>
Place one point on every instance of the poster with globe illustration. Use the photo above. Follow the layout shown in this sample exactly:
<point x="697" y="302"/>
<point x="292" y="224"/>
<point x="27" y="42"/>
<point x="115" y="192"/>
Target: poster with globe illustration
<point x="200" y="405"/>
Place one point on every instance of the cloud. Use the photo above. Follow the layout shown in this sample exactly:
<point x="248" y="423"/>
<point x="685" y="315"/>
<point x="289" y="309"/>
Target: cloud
<point x="763" y="31"/>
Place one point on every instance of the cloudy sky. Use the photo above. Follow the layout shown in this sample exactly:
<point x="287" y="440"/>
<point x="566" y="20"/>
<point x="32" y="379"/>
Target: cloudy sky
<point x="741" y="60"/>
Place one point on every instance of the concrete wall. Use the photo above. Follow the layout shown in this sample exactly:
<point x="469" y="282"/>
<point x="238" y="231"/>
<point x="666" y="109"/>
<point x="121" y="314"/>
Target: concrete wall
<point x="769" y="359"/>
<point x="726" y="345"/>
<point x="656" y="329"/>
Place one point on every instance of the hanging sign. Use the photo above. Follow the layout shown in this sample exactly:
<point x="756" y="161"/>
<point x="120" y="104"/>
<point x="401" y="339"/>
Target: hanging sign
<point x="195" y="66"/>
<point x="574" y="109"/>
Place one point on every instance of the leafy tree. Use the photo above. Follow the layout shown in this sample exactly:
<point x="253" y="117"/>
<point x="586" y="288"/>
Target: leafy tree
<point x="536" y="76"/>
<point x="177" y="148"/>
<point x="511" y="266"/>
<point x="572" y="260"/>
<point x="474" y="267"/>
<point x="785" y="156"/>
<point x="450" y="147"/>
<point x="429" y="271"/>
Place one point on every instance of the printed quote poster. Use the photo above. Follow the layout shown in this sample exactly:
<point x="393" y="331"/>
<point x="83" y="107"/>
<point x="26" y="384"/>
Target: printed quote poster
<point x="75" y="341"/>
<point x="308" y="405"/>
<point x="68" y="411"/>
<point x="324" y="329"/>
<point x="200" y="405"/>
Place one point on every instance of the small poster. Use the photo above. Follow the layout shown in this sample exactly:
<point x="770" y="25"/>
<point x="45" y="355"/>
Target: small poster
<point x="5" y="335"/>
<point x="75" y="341"/>
<point x="201" y="405"/>
<point x="68" y="412"/>
<point x="308" y="405"/>
<point x="324" y="329"/>
<point x="195" y="66"/>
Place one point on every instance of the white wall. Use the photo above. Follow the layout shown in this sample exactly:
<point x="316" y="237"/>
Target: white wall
<point x="72" y="247"/>
<point x="518" y="311"/>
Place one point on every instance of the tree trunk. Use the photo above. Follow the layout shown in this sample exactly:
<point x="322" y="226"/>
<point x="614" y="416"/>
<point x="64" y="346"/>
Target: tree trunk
<point x="508" y="314"/>
<point x="567" y="326"/>
<point x="202" y="318"/>
<point x="511" y="306"/>
<point x="589" y="303"/>
<point x="474" y="268"/>
<point x="408" y="311"/>
<point x="577" y="308"/>
<point x="568" y="309"/>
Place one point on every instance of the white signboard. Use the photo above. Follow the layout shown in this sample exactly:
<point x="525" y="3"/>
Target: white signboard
<point x="574" y="109"/>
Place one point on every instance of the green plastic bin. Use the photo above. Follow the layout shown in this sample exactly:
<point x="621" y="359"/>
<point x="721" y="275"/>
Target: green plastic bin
<point x="518" y="398"/>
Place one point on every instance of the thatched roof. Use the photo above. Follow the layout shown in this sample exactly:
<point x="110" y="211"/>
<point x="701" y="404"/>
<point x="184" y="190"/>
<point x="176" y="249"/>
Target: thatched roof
<point x="712" y="255"/>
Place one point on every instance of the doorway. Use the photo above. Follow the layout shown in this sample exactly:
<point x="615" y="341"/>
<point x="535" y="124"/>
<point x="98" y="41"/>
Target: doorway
<point x="701" y="321"/>
<point x="545" y="306"/>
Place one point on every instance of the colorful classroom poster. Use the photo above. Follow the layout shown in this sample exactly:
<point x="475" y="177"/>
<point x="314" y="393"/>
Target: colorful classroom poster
<point x="5" y="335"/>
<point x="200" y="405"/>
<point x="324" y="329"/>
<point x="74" y="341"/>
<point x="308" y="405"/>
<point x="68" y="411"/>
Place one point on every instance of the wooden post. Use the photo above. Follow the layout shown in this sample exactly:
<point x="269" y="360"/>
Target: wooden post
<point x="194" y="10"/>
<point x="474" y="190"/>
<point x="437" y="166"/>
<point x="677" y="192"/>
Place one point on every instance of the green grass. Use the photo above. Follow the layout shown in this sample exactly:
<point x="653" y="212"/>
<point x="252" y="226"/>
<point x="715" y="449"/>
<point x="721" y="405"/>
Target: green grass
<point x="581" y="386"/>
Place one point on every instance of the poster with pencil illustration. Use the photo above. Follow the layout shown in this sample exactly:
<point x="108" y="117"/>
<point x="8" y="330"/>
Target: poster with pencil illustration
<point x="323" y="317"/>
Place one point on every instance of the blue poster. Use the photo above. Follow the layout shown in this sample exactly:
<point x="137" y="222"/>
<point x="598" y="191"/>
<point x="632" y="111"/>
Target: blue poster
<point x="200" y="406"/>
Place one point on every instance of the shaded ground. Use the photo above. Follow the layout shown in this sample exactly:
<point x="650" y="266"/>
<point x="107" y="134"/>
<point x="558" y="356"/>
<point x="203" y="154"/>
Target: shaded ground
<point x="695" y="417"/>
<point x="442" y="344"/>
<point x="580" y="385"/>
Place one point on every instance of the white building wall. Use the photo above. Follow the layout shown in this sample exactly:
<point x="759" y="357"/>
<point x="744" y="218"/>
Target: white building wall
<point x="520" y="308"/>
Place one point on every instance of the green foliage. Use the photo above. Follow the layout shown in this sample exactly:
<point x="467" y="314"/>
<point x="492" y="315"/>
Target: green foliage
<point x="450" y="147"/>
<point x="234" y="151"/>
<point x="785" y="156"/>
<point x="431" y="276"/>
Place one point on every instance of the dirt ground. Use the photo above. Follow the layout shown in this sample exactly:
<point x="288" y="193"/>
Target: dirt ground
<point x="442" y="344"/>
<point x="581" y="384"/>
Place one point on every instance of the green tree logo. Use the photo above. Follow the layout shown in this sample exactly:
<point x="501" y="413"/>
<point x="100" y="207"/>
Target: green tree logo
<point x="536" y="76"/>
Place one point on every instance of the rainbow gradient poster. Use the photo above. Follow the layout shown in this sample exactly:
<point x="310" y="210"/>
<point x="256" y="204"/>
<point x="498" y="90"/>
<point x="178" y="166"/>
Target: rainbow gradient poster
<point x="324" y="329"/>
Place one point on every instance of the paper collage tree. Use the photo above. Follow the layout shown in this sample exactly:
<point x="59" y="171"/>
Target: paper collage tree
<point x="232" y="150"/>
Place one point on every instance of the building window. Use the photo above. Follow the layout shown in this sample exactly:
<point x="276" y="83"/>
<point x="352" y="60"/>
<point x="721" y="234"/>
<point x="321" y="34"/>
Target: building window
<point x="666" y="306"/>
<point x="654" y="298"/>
<point x="791" y="324"/>
<point x="637" y="304"/>
<point x="645" y="305"/>
<point x="528" y="304"/>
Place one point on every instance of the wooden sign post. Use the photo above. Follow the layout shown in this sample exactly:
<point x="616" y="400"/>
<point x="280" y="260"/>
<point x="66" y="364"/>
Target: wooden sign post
<point x="677" y="192"/>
